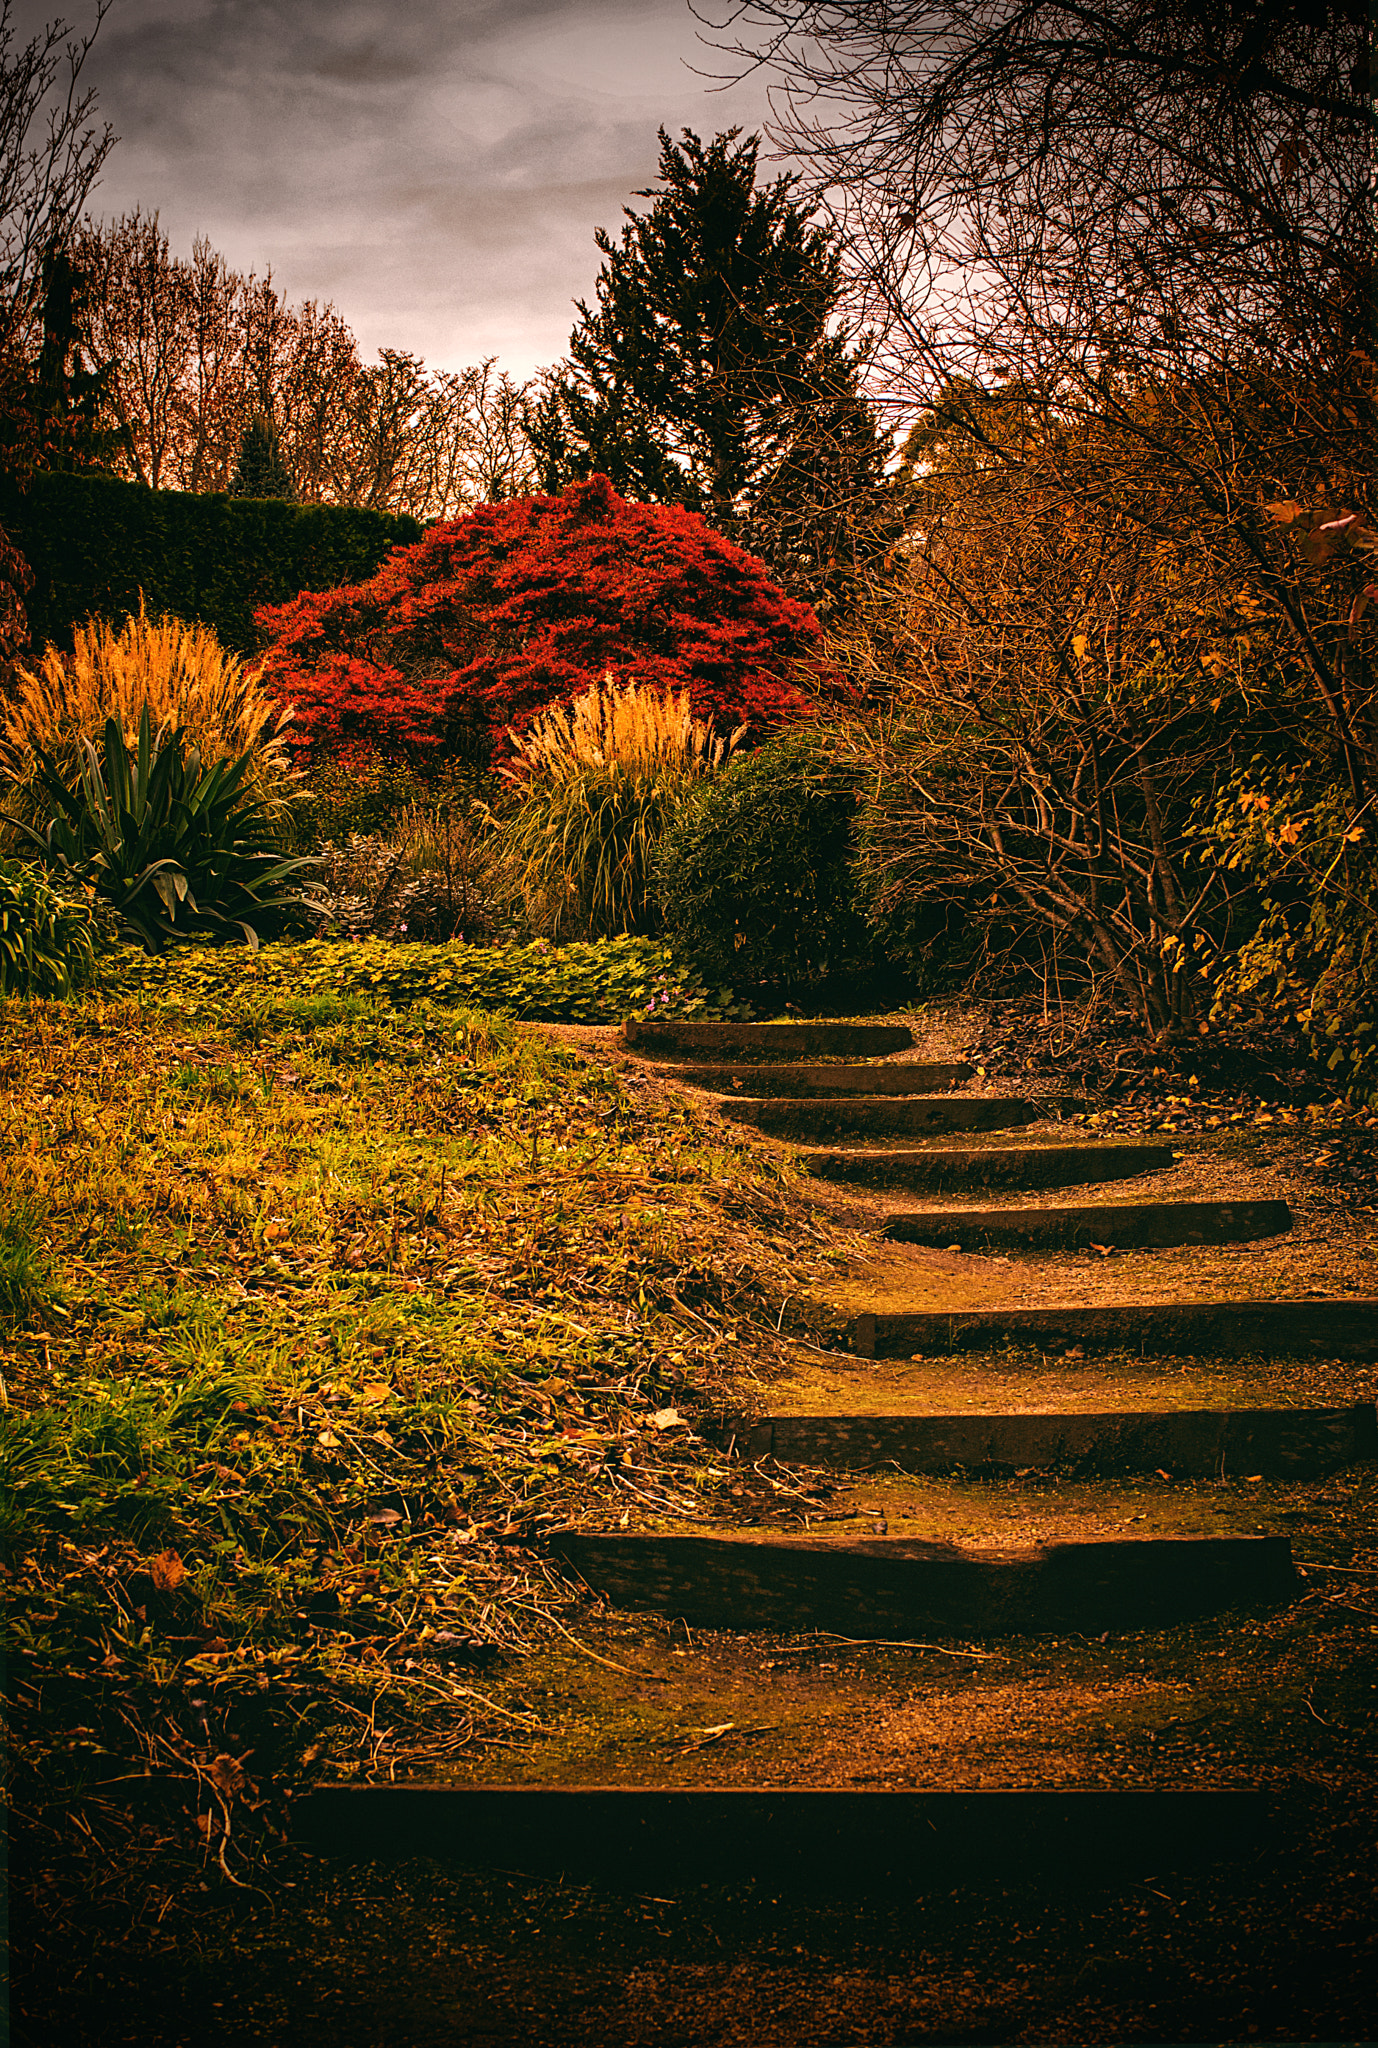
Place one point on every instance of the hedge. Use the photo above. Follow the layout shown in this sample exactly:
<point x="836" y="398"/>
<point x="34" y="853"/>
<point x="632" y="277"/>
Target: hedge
<point x="94" y="543"/>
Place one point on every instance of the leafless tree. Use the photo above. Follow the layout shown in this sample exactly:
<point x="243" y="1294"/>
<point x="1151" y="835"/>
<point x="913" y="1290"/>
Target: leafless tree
<point x="139" y="325"/>
<point x="1134" y="211"/>
<point x="194" y="351"/>
<point x="504" y="466"/>
<point x="51" y="153"/>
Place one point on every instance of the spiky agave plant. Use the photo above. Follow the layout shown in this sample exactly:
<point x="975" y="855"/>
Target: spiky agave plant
<point x="177" y="848"/>
<point x="599" y="781"/>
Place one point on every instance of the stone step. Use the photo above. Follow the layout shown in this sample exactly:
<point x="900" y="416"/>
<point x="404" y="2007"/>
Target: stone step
<point x="1224" y="1329"/>
<point x="900" y="1587"/>
<point x="893" y="1077"/>
<point x="842" y="1843"/>
<point x="988" y="1166"/>
<point x="1201" y="1443"/>
<point x="860" y="1116"/>
<point x="1109" y="1223"/>
<point x="677" y="1038"/>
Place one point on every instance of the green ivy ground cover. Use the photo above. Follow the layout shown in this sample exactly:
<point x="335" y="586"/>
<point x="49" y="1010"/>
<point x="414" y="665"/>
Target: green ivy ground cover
<point x="598" y="983"/>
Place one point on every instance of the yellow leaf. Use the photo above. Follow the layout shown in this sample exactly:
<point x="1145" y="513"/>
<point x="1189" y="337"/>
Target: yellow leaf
<point x="1079" y="646"/>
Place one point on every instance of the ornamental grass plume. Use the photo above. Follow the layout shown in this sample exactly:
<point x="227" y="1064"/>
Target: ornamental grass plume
<point x="639" y="729"/>
<point x="178" y="670"/>
<point x="600" y="780"/>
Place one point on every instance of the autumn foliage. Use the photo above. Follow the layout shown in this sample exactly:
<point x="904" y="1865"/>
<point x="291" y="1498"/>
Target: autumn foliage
<point x="488" y="619"/>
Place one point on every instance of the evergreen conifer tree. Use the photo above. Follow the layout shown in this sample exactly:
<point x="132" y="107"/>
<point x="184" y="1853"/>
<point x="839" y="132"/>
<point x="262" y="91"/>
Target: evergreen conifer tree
<point x="711" y="373"/>
<point x="50" y="406"/>
<point x="260" y="471"/>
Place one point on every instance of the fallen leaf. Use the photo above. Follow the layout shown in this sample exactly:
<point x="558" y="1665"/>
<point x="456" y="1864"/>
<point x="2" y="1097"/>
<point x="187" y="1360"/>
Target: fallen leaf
<point x="371" y="1395"/>
<point x="167" y="1571"/>
<point x="668" y="1418"/>
<point x="227" y="1776"/>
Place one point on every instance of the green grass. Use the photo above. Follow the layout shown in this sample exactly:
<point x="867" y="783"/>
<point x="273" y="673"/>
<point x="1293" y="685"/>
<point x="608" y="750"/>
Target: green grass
<point x="24" y="1273"/>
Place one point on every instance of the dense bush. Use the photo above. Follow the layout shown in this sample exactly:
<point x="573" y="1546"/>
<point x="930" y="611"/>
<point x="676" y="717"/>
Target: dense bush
<point x="16" y="581"/>
<point x="443" y="873"/>
<point x="601" y="782"/>
<point x="753" y="879"/>
<point x="579" y="984"/>
<point x="492" y="617"/>
<point x="175" y="848"/>
<point x="47" y="934"/>
<point x="97" y="546"/>
<point x="358" y="794"/>
<point x="1313" y="957"/>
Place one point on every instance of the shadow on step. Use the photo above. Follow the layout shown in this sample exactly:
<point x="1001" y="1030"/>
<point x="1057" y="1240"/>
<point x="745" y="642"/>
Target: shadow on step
<point x="822" y="1842"/>
<point x="1106" y="1223"/>
<point x="902" y="1587"/>
<point x="1307" y="1328"/>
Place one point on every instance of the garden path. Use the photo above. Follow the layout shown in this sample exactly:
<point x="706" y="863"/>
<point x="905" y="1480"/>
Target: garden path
<point x="1090" y="1396"/>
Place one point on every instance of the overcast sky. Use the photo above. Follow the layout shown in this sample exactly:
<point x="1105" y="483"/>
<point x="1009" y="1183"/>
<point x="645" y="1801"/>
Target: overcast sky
<point x="436" y="167"/>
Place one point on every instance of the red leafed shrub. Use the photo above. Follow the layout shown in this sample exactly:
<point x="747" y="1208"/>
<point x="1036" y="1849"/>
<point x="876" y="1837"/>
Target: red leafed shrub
<point x="489" y="618"/>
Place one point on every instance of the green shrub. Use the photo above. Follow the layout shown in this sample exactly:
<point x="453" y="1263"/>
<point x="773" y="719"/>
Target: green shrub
<point x="584" y="849"/>
<point x="579" y="984"/>
<point x="362" y="795"/>
<point x="97" y="546"/>
<point x="172" y="848"/>
<point x="753" y="878"/>
<point x="47" y="935"/>
<point x="1313" y="957"/>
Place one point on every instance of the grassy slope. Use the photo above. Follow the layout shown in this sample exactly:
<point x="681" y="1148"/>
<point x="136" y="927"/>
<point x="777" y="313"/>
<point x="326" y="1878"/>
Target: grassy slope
<point x="313" y="1312"/>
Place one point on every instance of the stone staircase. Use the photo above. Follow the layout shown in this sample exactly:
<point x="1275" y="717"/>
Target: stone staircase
<point x="898" y="1409"/>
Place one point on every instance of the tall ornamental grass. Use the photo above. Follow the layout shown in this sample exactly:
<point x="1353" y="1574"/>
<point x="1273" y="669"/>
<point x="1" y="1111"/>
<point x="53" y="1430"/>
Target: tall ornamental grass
<point x="599" y="782"/>
<point x="187" y="681"/>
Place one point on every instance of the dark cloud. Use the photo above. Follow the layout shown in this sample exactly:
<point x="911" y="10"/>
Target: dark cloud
<point x="436" y="167"/>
